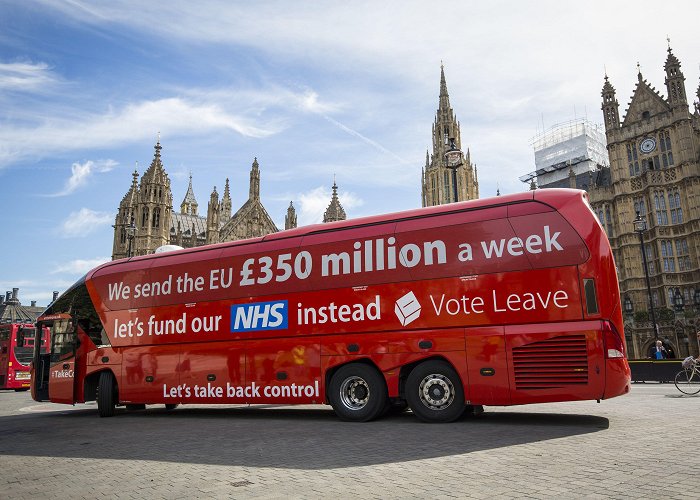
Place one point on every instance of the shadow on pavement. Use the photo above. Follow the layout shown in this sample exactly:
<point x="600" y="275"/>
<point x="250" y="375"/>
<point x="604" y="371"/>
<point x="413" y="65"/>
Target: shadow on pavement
<point x="282" y="437"/>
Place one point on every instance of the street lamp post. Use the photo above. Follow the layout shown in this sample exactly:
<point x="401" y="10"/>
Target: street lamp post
<point x="130" y="234"/>
<point x="453" y="159"/>
<point x="640" y="225"/>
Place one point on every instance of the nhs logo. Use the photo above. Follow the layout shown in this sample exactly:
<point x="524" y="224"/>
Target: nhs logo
<point x="259" y="316"/>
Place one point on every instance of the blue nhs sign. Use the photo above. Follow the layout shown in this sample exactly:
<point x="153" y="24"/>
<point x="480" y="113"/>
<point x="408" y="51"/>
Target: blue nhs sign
<point x="259" y="316"/>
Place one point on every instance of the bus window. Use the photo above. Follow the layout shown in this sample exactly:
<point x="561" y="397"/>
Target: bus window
<point x="63" y="340"/>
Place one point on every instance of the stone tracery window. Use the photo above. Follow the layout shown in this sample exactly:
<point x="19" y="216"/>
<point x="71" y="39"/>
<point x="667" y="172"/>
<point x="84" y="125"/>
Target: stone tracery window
<point x="156" y="217"/>
<point x="144" y="217"/>
<point x="660" y="208"/>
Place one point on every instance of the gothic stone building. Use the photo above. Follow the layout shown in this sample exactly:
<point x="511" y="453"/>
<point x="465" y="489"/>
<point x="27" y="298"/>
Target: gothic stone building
<point x="149" y="204"/>
<point x="654" y="171"/>
<point x="438" y="178"/>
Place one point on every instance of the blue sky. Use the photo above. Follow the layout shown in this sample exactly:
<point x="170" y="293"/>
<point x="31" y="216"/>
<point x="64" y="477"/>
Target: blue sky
<point x="313" y="90"/>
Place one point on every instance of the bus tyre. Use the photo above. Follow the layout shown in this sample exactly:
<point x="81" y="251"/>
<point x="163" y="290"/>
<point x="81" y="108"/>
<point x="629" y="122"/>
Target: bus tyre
<point x="106" y="395"/>
<point x="358" y="393"/>
<point x="434" y="392"/>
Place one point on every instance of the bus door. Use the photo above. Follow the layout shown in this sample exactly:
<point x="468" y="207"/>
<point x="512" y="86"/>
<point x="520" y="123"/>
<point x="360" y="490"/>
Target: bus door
<point x="57" y="368"/>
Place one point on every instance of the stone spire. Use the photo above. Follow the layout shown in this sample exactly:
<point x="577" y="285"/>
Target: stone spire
<point x="226" y="203"/>
<point x="254" y="193"/>
<point x="130" y="196"/>
<point x="154" y="211"/>
<point x="189" y="203"/>
<point x="438" y="178"/>
<point x="610" y="106"/>
<point x="446" y="126"/>
<point x="213" y="214"/>
<point x="444" y="95"/>
<point x="675" y="81"/>
<point x="335" y="211"/>
<point x="156" y="170"/>
<point x="290" y="221"/>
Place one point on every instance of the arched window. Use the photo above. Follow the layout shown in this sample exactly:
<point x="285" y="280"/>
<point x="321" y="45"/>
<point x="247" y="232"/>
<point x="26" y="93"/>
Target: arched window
<point x="667" y="256"/>
<point x="674" y="204"/>
<point x="144" y="217"/>
<point x="660" y="207"/>
<point x="156" y="217"/>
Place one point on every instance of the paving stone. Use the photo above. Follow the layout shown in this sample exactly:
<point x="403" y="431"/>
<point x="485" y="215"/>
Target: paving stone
<point x="564" y="450"/>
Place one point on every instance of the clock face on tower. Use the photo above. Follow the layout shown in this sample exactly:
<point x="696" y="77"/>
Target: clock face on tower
<point x="453" y="158"/>
<point x="647" y="145"/>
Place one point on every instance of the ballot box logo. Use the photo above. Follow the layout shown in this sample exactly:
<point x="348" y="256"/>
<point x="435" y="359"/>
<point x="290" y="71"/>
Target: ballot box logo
<point x="407" y="309"/>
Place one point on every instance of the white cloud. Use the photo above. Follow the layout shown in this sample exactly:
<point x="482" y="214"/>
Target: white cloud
<point x="84" y="222"/>
<point x="81" y="173"/>
<point x="311" y="204"/>
<point x="25" y="76"/>
<point x="133" y="123"/>
<point x="79" y="266"/>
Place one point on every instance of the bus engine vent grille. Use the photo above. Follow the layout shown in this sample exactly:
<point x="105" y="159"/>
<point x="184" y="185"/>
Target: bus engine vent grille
<point x="552" y="363"/>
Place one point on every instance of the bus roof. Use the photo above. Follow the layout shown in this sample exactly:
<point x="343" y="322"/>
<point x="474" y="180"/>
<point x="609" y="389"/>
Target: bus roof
<point x="552" y="197"/>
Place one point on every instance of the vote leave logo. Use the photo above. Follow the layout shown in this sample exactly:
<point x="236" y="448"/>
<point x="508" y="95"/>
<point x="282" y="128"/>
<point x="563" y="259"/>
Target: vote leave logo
<point x="407" y="309"/>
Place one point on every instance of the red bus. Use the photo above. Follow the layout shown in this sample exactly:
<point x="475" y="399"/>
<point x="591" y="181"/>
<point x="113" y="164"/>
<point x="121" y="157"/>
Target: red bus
<point x="16" y="351"/>
<point x="502" y="301"/>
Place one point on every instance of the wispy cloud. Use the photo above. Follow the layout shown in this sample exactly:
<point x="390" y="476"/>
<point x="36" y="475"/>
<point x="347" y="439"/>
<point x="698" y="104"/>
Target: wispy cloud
<point x="313" y="203"/>
<point x="134" y="122"/>
<point x="25" y="76"/>
<point x="84" y="222"/>
<point x="81" y="174"/>
<point x="79" y="266"/>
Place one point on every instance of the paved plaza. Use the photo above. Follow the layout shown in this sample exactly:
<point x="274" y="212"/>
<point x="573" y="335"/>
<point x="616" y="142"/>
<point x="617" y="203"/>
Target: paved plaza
<point x="643" y="445"/>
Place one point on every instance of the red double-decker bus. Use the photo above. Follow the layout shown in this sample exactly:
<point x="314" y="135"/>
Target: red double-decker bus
<point x="16" y="351"/>
<point x="501" y="301"/>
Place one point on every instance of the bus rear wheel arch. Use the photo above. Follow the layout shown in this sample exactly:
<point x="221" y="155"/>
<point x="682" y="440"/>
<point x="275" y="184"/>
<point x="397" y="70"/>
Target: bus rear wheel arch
<point x="107" y="394"/>
<point x="358" y="393"/>
<point x="434" y="392"/>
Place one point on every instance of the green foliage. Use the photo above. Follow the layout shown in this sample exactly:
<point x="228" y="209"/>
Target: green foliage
<point x="641" y="316"/>
<point x="665" y="314"/>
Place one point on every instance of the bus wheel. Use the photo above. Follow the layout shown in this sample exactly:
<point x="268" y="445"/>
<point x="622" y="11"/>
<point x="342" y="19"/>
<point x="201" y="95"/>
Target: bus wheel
<point x="106" y="395"/>
<point x="171" y="406"/>
<point x="357" y="393"/>
<point x="434" y="392"/>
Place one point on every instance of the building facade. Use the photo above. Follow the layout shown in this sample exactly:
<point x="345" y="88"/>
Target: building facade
<point x="654" y="172"/>
<point x="13" y="311"/>
<point x="442" y="182"/>
<point x="146" y="220"/>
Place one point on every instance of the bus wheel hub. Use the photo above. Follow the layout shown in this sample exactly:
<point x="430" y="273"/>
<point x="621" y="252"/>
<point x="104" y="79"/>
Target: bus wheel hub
<point x="436" y="391"/>
<point x="354" y="393"/>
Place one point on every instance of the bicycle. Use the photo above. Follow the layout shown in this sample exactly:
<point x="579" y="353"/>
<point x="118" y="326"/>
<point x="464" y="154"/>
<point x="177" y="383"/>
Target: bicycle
<point x="688" y="379"/>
